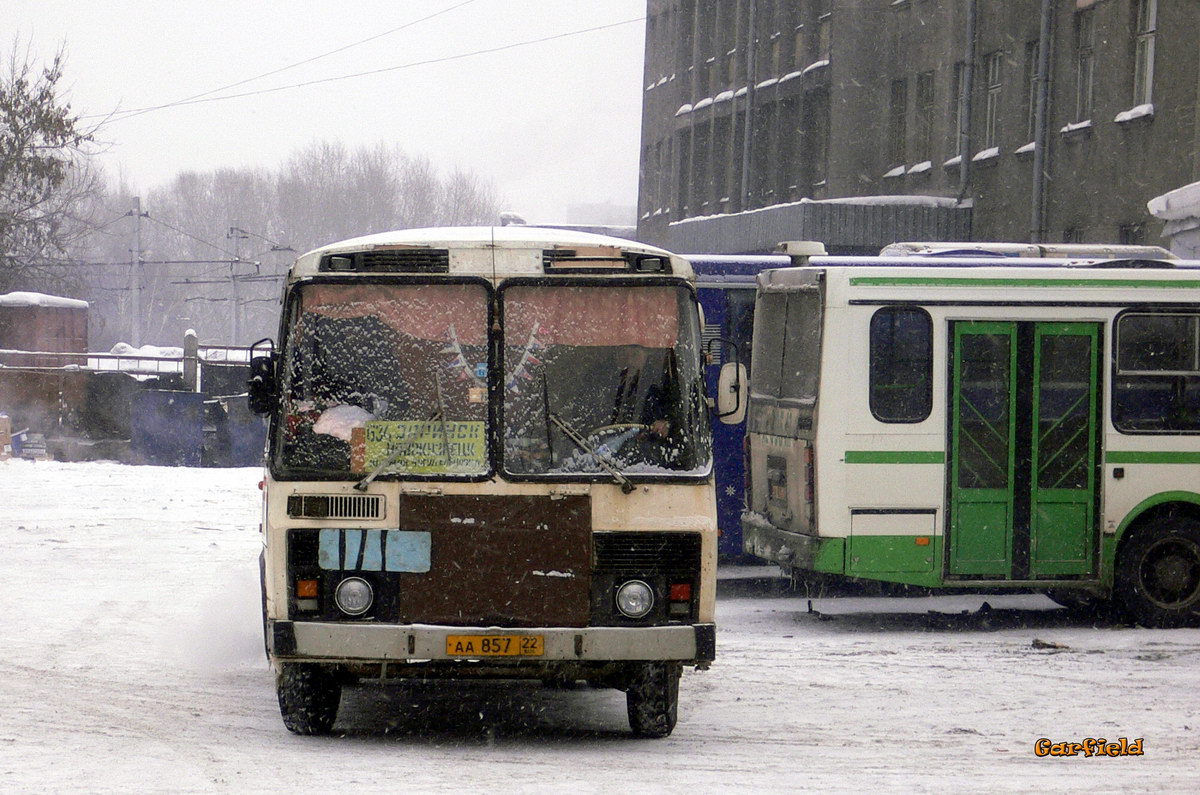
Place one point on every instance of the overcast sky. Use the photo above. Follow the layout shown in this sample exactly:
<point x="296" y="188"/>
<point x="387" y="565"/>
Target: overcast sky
<point x="550" y="124"/>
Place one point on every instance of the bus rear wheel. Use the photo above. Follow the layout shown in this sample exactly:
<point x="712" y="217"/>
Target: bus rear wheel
<point x="1158" y="574"/>
<point x="308" y="697"/>
<point x="652" y="698"/>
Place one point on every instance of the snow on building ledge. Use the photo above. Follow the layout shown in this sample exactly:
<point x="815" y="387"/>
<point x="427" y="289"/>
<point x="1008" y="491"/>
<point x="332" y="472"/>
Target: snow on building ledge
<point x="1140" y="112"/>
<point x="1076" y="127"/>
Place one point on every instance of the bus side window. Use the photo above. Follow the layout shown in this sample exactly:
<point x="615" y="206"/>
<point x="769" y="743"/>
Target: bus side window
<point x="1157" y="383"/>
<point x="739" y="323"/>
<point x="901" y="371"/>
<point x="769" y="321"/>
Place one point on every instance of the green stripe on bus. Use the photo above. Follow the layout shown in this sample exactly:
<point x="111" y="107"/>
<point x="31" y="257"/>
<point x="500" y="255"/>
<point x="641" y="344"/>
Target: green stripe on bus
<point x="895" y="457"/>
<point x="939" y="281"/>
<point x="1123" y="457"/>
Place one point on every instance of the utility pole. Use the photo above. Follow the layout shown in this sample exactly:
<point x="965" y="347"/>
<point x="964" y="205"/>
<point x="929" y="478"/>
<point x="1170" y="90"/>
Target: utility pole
<point x="236" y="233"/>
<point x="135" y="275"/>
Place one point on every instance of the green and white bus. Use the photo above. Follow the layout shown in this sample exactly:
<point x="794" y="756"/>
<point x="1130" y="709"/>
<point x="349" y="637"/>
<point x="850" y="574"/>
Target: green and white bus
<point x="983" y="423"/>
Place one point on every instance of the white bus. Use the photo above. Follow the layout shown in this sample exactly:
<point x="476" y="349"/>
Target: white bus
<point x="982" y="423"/>
<point x="489" y="456"/>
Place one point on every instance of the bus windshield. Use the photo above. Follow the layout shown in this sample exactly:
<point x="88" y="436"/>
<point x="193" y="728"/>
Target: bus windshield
<point x="602" y="379"/>
<point x="386" y="378"/>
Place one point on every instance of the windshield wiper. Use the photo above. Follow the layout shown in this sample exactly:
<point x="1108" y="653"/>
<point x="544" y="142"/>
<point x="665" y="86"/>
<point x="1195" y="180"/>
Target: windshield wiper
<point x="601" y="459"/>
<point x="406" y="443"/>
<point x="440" y="414"/>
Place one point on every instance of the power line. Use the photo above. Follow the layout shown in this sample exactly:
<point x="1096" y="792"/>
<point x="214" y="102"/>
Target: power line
<point x="193" y="237"/>
<point x="122" y="115"/>
<point x="413" y="64"/>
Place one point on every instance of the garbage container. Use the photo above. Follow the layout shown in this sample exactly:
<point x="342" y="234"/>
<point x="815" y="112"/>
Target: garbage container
<point x="167" y="427"/>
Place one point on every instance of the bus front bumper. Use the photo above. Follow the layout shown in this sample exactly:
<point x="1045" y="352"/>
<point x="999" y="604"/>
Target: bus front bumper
<point x="361" y="642"/>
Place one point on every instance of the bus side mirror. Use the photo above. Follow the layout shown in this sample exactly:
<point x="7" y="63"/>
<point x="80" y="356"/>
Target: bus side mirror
<point x="732" y="391"/>
<point x="262" y="390"/>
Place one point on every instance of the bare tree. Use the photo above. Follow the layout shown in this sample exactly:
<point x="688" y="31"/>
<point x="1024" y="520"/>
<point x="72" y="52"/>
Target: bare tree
<point x="322" y="193"/>
<point x="48" y="189"/>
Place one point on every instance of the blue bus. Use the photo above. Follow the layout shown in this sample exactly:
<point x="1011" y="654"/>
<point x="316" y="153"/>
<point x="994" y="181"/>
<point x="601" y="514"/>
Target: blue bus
<point x="725" y="286"/>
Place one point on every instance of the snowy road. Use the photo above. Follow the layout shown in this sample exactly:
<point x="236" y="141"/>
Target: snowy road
<point x="131" y="660"/>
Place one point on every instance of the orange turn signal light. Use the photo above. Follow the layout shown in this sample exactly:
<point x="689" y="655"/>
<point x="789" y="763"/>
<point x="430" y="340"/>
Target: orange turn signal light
<point x="922" y="541"/>
<point x="306" y="589"/>
<point x="681" y="592"/>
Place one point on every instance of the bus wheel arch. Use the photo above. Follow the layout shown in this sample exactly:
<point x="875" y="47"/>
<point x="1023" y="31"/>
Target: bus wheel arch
<point x="1156" y="575"/>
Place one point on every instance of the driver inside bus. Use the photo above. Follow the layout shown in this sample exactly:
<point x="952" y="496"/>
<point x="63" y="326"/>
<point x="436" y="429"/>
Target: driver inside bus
<point x="643" y="387"/>
<point x="645" y="396"/>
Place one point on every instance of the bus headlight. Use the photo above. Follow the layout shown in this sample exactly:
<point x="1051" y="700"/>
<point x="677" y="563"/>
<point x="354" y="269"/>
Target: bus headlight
<point x="634" y="599"/>
<point x="354" y="596"/>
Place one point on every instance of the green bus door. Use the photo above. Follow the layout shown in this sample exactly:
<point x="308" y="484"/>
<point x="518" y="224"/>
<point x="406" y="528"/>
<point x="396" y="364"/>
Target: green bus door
<point x="1024" y="403"/>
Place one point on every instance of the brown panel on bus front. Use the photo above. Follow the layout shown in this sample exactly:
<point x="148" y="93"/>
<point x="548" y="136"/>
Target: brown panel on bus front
<point x="499" y="561"/>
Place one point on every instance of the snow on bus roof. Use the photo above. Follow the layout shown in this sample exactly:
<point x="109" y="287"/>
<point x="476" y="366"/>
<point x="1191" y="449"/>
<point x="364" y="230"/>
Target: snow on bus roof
<point x="41" y="299"/>
<point x="511" y="236"/>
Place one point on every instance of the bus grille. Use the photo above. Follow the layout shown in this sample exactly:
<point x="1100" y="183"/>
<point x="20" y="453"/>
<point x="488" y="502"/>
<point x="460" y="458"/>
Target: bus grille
<point x="333" y="506"/>
<point x="648" y="553"/>
<point x="402" y="260"/>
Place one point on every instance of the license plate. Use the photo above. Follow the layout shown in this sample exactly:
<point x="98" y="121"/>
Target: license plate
<point x="495" y="645"/>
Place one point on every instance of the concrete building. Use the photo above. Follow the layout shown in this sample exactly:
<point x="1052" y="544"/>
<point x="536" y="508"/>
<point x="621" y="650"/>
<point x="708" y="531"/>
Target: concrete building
<point x="861" y="122"/>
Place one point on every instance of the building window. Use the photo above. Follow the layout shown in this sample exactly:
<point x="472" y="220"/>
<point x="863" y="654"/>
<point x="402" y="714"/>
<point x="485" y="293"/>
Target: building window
<point x="685" y="41"/>
<point x="824" y="40"/>
<point x="958" y="91"/>
<point x="684" y="197"/>
<point x="1085" y="39"/>
<point x="799" y="47"/>
<point x="897" y="118"/>
<point x="901" y="370"/>
<point x="1032" y="49"/>
<point x="1157" y="384"/>
<point x="993" y="66"/>
<point x="701" y="161"/>
<point x="816" y="138"/>
<point x="787" y="170"/>
<point x="924" y="119"/>
<point x="1143" y="57"/>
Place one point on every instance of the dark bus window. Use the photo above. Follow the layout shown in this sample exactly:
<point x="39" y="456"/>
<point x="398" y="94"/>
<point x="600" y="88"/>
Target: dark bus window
<point x="769" y="320"/>
<point x="901" y="375"/>
<point x="1156" y="388"/>
<point x="802" y="354"/>
<point x="739" y="323"/>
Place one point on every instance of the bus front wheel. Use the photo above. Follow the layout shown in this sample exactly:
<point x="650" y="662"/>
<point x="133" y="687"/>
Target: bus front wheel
<point x="652" y="697"/>
<point x="1158" y="573"/>
<point x="308" y="697"/>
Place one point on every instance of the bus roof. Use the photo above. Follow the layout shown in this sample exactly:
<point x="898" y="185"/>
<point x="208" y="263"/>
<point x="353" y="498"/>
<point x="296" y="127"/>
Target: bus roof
<point x="476" y="250"/>
<point x="1059" y="250"/>
<point x="914" y="277"/>
<point x="733" y="269"/>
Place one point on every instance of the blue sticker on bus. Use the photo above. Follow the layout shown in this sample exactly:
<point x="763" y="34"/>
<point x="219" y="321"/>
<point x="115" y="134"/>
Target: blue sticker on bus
<point x="375" y="550"/>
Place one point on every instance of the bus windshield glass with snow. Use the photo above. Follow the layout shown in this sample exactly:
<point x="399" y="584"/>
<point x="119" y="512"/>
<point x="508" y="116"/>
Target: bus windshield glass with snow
<point x="957" y="422"/>
<point x="489" y="455"/>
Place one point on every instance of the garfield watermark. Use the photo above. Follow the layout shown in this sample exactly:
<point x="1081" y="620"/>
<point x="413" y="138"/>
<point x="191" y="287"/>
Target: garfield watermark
<point x="1090" y="746"/>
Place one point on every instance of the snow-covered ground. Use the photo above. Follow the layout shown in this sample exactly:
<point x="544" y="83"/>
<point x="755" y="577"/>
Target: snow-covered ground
<point x="131" y="660"/>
